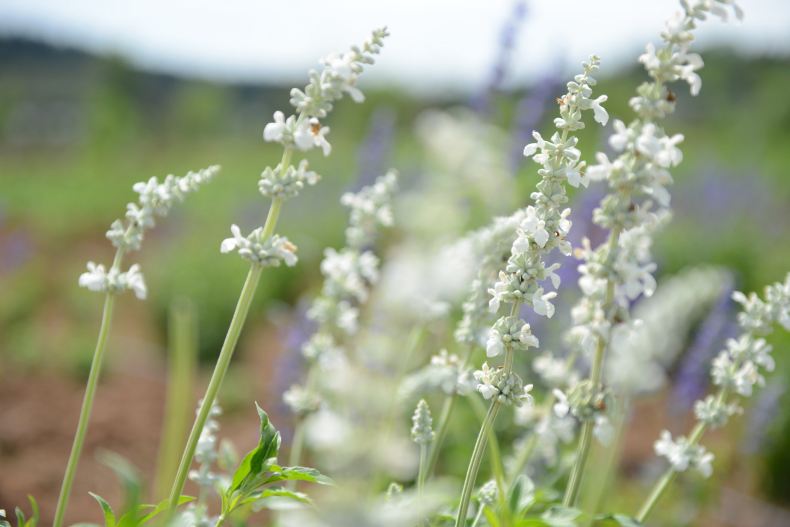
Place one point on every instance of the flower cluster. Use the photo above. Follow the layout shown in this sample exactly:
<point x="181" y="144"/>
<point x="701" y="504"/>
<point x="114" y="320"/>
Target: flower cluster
<point x="620" y="270"/>
<point x="422" y="424"/>
<point x="502" y="386"/>
<point x="155" y="199"/>
<point x="338" y="76"/>
<point x="736" y="370"/>
<point x="266" y="252"/>
<point x="99" y="279"/>
<point x="371" y="208"/>
<point x="512" y="333"/>
<point x="283" y="184"/>
<point x="545" y="225"/>
<point x="682" y="454"/>
<point x="348" y="276"/>
<point x="491" y="246"/>
<point x="445" y="373"/>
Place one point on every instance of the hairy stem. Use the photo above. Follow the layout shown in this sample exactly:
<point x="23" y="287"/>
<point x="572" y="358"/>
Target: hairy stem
<point x="474" y="462"/>
<point x="423" y="471"/>
<point x="87" y="405"/>
<point x="225" y="355"/>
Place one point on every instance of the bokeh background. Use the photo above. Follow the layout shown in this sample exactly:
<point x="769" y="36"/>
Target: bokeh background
<point x="94" y="97"/>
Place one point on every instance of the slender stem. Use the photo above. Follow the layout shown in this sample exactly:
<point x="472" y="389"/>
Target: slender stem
<point x="596" y="374"/>
<point x="479" y="515"/>
<point x="669" y="476"/>
<point x="474" y="463"/>
<point x="226" y="353"/>
<point x="297" y="444"/>
<point x="421" y="475"/>
<point x="221" y="368"/>
<point x="87" y="405"/>
<point x="482" y="438"/>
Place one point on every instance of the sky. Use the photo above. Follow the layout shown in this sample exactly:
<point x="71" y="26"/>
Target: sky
<point x="435" y="45"/>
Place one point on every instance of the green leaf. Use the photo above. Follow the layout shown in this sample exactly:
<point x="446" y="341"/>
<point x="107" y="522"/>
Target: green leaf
<point x="109" y="514"/>
<point x="33" y="521"/>
<point x="127" y="475"/>
<point x="491" y="517"/>
<point x="522" y="495"/>
<point x="559" y="516"/>
<point x="297" y="474"/>
<point x="256" y="461"/>
<point x="271" y="498"/>
<point x="616" y="520"/>
<point x="162" y="506"/>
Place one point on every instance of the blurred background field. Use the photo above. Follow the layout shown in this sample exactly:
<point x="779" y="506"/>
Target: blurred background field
<point x="78" y="129"/>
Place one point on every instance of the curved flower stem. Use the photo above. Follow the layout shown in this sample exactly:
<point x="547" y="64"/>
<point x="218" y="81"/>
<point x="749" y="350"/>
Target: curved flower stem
<point x="225" y="355"/>
<point x="479" y="515"/>
<point x="474" y="462"/>
<point x="669" y="476"/>
<point x="221" y="368"/>
<point x="87" y="405"/>
<point x="596" y="374"/>
<point x="482" y="439"/>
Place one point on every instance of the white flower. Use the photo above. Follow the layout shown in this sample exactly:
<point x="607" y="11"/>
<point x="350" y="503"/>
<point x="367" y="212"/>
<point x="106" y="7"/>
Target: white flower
<point x="95" y="278"/>
<point x="561" y="407"/>
<point x="603" y="429"/>
<point x="541" y="302"/>
<point x="494" y="344"/>
<point x="275" y="131"/>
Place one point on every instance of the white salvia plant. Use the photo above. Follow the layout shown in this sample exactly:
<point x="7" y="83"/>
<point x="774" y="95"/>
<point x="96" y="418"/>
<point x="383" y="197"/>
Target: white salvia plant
<point x="349" y="274"/>
<point x="301" y="132"/>
<point x="155" y="199"/>
<point x="637" y="204"/>
<point x="544" y="228"/>
<point x="736" y="371"/>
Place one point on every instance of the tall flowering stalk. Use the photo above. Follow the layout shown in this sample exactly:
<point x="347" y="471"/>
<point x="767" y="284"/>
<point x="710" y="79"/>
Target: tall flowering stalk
<point x="543" y="229"/>
<point x="620" y="270"/>
<point x="348" y="277"/>
<point x="736" y="370"/>
<point x="155" y="200"/>
<point x="302" y="131"/>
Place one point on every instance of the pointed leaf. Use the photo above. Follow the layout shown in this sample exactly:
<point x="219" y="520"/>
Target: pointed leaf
<point x="256" y="461"/>
<point x="109" y="514"/>
<point x="34" y="518"/>
<point x="277" y="499"/>
<point x="161" y="506"/>
<point x="297" y="474"/>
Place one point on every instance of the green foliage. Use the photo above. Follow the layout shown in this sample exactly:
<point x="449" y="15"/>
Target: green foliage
<point x="259" y="469"/>
<point x="21" y="519"/>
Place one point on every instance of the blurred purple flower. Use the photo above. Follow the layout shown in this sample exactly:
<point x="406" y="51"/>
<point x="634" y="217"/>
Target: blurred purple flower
<point x="16" y="248"/>
<point x="692" y="377"/>
<point x="373" y="155"/>
<point x="762" y="415"/>
<point x="289" y="368"/>
<point x="481" y="101"/>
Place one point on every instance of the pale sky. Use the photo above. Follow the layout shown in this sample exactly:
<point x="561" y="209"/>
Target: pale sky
<point x="435" y="44"/>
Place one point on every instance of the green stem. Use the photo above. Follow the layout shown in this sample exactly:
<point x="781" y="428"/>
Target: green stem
<point x="479" y="515"/>
<point x="226" y="353"/>
<point x="482" y="438"/>
<point x="474" y="463"/>
<point x="669" y="476"/>
<point x="87" y="404"/>
<point x="421" y="475"/>
<point x="221" y="368"/>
